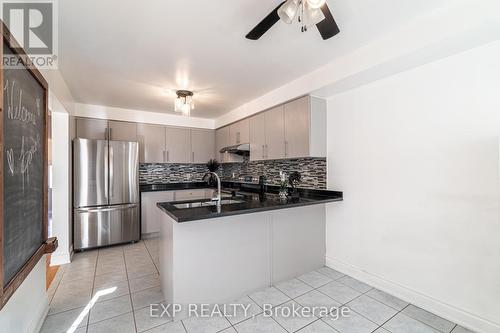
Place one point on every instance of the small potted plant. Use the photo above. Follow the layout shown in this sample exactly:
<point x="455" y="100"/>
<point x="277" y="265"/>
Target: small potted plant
<point x="213" y="166"/>
<point x="283" y="186"/>
<point x="294" y="180"/>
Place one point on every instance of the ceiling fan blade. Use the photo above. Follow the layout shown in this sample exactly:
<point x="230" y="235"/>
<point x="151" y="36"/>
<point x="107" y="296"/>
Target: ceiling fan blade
<point x="328" y="27"/>
<point x="265" y="24"/>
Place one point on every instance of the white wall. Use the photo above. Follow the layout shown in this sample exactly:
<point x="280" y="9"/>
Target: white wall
<point x="61" y="184"/>
<point x="27" y="308"/>
<point x="456" y="26"/>
<point x="140" y="116"/>
<point x="417" y="156"/>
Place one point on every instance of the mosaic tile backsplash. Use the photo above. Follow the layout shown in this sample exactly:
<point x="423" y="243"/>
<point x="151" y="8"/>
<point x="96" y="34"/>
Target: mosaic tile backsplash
<point x="313" y="171"/>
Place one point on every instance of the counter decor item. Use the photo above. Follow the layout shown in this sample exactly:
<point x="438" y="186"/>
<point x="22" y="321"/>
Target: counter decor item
<point x="294" y="180"/>
<point x="283" y="193"/>
<point x="213" y="166"/>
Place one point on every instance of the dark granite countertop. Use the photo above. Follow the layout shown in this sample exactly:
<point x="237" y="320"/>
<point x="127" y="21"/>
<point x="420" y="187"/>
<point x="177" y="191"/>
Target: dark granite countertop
<point x="251" y="202"/>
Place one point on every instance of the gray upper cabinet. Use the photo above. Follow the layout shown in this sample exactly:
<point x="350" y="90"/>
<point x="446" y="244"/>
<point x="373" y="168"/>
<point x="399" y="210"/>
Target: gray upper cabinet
<point x="151" y="143"/>
<point x="292" y="130"/>
<point x="203" y="145"/>
<point x="258" y="137"/>
<point x="239" y="132"/>
<point x="275" y="133"/>
<point x="94" y="129"/>
<point x="122" y="131"/>
<point x="100" y="129"/>
<point x="221" y="141"/>
<point x="297" y="126"/>
<point x="178" y="145"/>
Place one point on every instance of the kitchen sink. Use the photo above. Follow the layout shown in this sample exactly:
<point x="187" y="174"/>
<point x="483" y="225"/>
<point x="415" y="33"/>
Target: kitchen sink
<point x="195" y="204"/>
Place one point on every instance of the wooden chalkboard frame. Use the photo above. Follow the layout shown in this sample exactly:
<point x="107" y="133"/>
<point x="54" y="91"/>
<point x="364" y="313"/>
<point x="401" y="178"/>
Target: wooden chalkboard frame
<point x="49" y="245"/>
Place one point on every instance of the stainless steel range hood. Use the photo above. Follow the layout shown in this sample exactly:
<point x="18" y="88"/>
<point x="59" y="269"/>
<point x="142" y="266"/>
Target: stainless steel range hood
<point x="241" y="149"/>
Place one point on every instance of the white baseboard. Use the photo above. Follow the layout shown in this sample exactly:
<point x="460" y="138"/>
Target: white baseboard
<point x="447" y="311"/>
<point x="62" y="258"/>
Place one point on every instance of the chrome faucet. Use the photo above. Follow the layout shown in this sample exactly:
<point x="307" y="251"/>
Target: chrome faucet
<point x="218" y="198"/>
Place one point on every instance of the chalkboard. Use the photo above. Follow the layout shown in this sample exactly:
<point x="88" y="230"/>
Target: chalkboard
<point x="24" y="117"/>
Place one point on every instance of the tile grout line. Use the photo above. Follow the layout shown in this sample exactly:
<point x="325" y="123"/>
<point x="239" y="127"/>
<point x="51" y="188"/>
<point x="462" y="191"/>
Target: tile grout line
<point x="92" y="290"/>
<point x="382" y="326"/>
<point x="399" y="311"/>
<point x="433" y="328"/>
<point x="129" y="293"/>
<point x="151" y="257"/>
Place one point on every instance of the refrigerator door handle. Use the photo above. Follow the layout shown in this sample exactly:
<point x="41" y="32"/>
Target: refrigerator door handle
<point x="105" y="209"/>
<point x="106" y="172"/>
<point x="111" y="171"/>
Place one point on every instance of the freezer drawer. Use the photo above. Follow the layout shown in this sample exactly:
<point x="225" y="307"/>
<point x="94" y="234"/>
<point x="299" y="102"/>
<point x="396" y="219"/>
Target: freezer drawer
<point x="101" y="226"/>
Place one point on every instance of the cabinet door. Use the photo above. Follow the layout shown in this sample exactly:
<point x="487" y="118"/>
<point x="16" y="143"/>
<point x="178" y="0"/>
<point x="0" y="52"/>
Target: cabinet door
<point x="239" y="132"/>
<point x="122" y="131"/>
<point x="221" y="141"/>
<point x="275" y="133"/>
<point x="202" y="145"/>
<point x="190" y="194"/>
<point x="95" y="129"/>
<point x="151" y="143"/>
<point x="151" y="215"/>
<point x="257" y="137"/>
<point x="178" y="145"/>
<point x="297" y="128"/>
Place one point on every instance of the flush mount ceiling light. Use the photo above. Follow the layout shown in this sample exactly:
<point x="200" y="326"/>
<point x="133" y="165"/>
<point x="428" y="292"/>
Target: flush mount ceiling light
<point x="307" y="13"/>
<point x="184" y="102"/>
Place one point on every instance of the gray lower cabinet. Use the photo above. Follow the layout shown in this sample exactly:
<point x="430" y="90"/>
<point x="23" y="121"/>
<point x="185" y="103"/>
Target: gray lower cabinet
<point x="202" y="145"/>
<point x="122" y="131"/>
<point x="94" y="129"/>
<point x="192" y="194"/>
<point x="151" y="143"/>
<point x="178" y="145"/>
<point x="151" y="215"/>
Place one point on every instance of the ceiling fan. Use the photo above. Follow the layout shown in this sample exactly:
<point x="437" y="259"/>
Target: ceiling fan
<point x="307" y="12"/>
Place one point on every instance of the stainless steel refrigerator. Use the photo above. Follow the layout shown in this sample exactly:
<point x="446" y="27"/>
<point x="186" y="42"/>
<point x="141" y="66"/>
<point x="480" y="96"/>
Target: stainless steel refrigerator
<point x="105" y="193"/>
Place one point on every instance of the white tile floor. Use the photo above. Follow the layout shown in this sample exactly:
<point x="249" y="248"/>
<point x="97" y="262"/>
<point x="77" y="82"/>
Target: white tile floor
<point x="125" y="280"/>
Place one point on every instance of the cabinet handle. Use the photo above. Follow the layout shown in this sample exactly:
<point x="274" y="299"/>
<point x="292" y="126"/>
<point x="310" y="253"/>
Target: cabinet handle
<point x="263" y="151"/>
<point x="110" y="134"/>
<point x="168" y="156"/>
<point x="286" y="148"/>
<point x="106" y="136"/>
<point x="164" y="156"/>
<point x="192" y="156"/>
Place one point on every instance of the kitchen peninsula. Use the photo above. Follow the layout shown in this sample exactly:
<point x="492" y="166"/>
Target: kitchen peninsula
<point x="255" y="240"/>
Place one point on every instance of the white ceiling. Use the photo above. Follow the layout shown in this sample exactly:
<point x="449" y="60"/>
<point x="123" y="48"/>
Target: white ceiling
<point x="133" y="54"/>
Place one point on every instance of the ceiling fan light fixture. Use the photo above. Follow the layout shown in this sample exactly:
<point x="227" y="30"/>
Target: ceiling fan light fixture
<point x="316" y="4"/>
<point x="313" y="16"/>
<point x="289" y="10"/>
